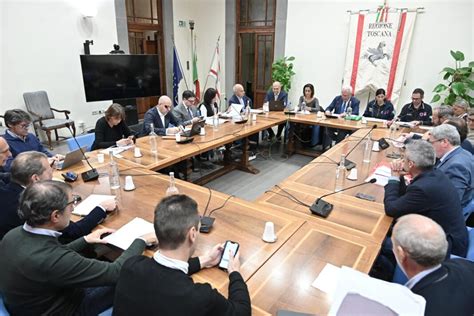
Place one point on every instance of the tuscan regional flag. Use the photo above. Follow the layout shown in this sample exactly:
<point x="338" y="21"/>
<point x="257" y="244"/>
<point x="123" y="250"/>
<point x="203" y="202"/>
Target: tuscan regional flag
<point x="378" y="49"/>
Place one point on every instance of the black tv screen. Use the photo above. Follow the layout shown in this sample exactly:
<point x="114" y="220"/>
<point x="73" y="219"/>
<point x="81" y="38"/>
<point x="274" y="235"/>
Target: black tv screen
<point x="112" y="77"/>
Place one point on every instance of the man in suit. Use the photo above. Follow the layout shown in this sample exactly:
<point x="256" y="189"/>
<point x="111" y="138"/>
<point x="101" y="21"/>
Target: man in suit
<point x="162" y="118"/>
<point x="460" y="108"/>
<point x="162" y="285"/>
<point x="417" y="111"/>
<point x="276" y="94"/>
<point x="39" y="276"/>
<point x="419" y="245"/>
<point x="455" y="162"/>
<point x="239" y="97"/>
<point x="30" y="167"/>
<point x="340" y="106"/>
<point x="4" y="155"/>
<point x="430" y="193"/>
<point x="186" y="112"/>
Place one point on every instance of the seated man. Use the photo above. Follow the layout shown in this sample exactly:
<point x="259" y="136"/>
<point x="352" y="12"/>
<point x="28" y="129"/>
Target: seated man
<point x="276" y="94"/>
<point x="30" y="167"/>
<point x="161" y="117"/>
<point x="4" y="155"/>
<point x="18" y="137"/>
<point x="161" y="285"/>
<point x="460" y="108"/>
<point x="470" y="125"/>
<point x="417" y="111"/>
<point x="239" y="97"/>
<point x="39" y="276"/>
<point x="441" y="114"/>
<point x="420" y="245"/>
<point x="186" y="112"/>
<point x="430" y="193"/>
<point x="455" y="162"/>
<point x="339" y="106"/>
<point x="462" y="128"/>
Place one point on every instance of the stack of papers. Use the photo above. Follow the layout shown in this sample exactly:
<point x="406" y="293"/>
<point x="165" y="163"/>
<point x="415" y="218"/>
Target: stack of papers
<point x="116" y="150"/>
<point x="93" y="200"/>
<point x="209" y="121"/>
<point x="125" y="236"/>
<point x="382" y="172"/>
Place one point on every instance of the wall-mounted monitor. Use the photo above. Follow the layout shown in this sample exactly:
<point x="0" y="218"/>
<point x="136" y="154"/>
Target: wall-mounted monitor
<point x="112" y="77"/>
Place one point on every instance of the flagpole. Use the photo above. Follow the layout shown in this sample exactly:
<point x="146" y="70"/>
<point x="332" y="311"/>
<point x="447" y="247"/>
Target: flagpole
<point x="191" y="27"/>
<point x="212" y="60"/>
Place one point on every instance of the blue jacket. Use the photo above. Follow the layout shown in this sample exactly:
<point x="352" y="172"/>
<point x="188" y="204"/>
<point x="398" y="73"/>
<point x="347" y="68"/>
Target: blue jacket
<point x="337" y="105"/>
<point x="459" y="167"/>
<point x="282" y="96"/>
<point x="430" y="194"/>
<point x="448" y="290"/>
<point x="152" y="116"/>
<point x="17" y="146"/>
<point x="9" y="219"/>
<point x="384" y="112"/>
<point x="423" y="114"/>
<point x="234" y="100"/>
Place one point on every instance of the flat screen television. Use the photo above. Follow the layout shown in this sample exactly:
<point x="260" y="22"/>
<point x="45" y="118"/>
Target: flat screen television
<point x="112" y="77"/>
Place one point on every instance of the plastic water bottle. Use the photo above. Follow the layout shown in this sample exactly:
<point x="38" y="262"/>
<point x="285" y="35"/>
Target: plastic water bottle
<point x="114" y="177"/>
<point x="340" y="174"/>
<point x="367" y="149"/>
<point x="215" y="122"/>
<point x="153" y="139"/>
<point x="247" y="110"/>
<point x="303" y="106"/>
<point x="172" y="189"/>
<point x="348" y="112"/>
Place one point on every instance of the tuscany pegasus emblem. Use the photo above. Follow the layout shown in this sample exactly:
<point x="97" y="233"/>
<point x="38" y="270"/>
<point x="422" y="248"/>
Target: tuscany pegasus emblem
<point x="374" y="54"/>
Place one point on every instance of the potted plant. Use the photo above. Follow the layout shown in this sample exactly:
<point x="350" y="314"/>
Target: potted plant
<point x="282" y="71"/>
<point x="459" y="82"/>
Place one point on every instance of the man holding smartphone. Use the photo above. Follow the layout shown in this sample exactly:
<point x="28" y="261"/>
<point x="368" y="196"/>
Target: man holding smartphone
<point x="162" y="286"/>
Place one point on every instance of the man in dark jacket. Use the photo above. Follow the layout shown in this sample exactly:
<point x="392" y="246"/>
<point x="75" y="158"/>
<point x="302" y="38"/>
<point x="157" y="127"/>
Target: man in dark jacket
<point x="4" y="155"/>
<point x="162" y="286"/>
<point x="420" y="245"/>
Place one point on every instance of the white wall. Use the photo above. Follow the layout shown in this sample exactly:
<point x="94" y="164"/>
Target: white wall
<point x="317" y="33"/>
<point x="41" y="41"/>
<point x="209" y="18"/>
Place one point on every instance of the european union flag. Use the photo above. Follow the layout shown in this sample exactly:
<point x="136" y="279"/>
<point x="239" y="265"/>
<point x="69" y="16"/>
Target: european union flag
<point x="177" y="76"/>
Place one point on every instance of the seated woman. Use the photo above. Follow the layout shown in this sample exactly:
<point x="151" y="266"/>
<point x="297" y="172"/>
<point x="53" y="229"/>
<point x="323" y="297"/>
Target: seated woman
<point x="111" y="129"/>
<point x="380" y="107"/>
<point x="19" y="139"/>
<point x="209" y="106"/>
<point x="310" y="101"/>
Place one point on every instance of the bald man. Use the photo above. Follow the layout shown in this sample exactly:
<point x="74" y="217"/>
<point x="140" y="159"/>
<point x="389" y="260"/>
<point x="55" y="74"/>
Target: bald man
<point x="162" y="118"/>
<point x="420" y="245"/>
<point x="4" y="155"/>
<point x="277" y="94"/>
<point x="239" y="97"/>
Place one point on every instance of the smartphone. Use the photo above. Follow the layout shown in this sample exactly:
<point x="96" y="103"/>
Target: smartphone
<point x="365" y="197"/>
<point x="229" y="245"/>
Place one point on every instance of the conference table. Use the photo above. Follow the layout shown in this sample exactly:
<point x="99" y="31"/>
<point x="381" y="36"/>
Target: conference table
<point x="279" y="275"/>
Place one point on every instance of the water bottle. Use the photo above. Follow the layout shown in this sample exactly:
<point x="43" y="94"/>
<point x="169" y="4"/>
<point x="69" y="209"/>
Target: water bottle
<point x="348" y="112"/>
<point x="153" y="139"/>
<point x="215" y="122"/>
<point x="172" y="189"/>
<point x="247" y="110"/>
<point x="367" y="149"/>
<point x="114" y="178"/>
<point x="340" y="174"/>
<point x="303" y="106"/>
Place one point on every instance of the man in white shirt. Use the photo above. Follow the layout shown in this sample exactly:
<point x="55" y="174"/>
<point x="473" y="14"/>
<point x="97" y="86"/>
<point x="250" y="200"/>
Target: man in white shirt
<point x="162" y="118"/>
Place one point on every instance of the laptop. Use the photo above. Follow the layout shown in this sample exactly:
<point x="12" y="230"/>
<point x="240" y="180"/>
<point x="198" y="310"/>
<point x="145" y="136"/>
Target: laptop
<point x="276" y="105"/>
<point x="195" y="129"/>
<point x="72" y="158"/>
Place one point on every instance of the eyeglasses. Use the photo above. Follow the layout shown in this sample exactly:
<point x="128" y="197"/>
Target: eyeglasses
<point x="434" y="141"/>
<point x="24" y="126"/>
<point x="191" y="100"/>
<point x="75" y="199"/>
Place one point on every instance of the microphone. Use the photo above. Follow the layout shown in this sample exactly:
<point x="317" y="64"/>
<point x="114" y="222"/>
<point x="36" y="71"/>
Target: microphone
<point x="350" y="164"/>
<point x="88" y="175"/>
<point x="323" y="208"/>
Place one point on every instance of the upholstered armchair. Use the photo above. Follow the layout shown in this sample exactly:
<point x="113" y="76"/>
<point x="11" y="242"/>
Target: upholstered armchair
<point x="37" y="104"/>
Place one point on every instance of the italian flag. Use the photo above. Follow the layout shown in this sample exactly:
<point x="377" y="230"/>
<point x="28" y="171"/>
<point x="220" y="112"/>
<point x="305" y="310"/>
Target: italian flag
<point x="197" y="87"/>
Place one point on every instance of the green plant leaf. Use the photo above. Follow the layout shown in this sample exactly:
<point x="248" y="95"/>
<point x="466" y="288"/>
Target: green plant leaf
<point x="446" y="76"/>
<point x="291" y="58"/>
<point x="471" y="64"/>
<point x="436" y="98"/>
<point x="439" y="88"/>
<point x="449" y="70"/>
<point x="449" y="100"/>
<point x="465" y="70"/>
<point x="457" y="55"/>
<point x="470" y="85"/>
<point x="458" y="88"/>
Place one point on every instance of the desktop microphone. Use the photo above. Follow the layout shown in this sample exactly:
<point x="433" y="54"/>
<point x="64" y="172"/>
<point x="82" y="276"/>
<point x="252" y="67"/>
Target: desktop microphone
<point x="88" y="175"/>
<point x="350" y="164"/>
<point x="323" y="208"/>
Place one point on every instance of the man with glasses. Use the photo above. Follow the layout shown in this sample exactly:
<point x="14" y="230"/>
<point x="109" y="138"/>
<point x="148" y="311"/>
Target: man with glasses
<point x="40" y="276"/>
<point x="455" y="162"/>
<point x="470" y="125"/>
<point x="18" y="137"/>
<point x="30" y="167"/>
<point x="417" y="111"/>
<point x="430" y="193"/>
<point x="162" y="118"/>
<point x="461" y="108"/>
<point x="4" y="155"/>
<point x="186" y="112"/>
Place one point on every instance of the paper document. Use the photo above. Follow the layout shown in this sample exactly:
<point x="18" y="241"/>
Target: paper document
<point x="327" y="279"/>
<point x="125" y="236"/>
<point x="235" y="109"/>
<point x="256" y="111"/>
<point x="382" y="172"/>
<point x="115" y="150"/>
<point x="88" y="204"/>
<point x="209" y="121"/>
<point x="358" y="294"/>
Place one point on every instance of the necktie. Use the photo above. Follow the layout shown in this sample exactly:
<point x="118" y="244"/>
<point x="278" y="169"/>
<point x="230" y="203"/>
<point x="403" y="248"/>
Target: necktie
<point x="190" y="113"/>
<point x="344" y="104"/>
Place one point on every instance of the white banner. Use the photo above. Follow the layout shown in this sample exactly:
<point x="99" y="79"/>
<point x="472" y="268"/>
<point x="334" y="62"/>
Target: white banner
<point x="377" y="51"/>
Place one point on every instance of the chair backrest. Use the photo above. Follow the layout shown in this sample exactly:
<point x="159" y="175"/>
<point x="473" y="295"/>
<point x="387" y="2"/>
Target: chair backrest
<point x="83" y="140"/>
<point x="38" y="103"/>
